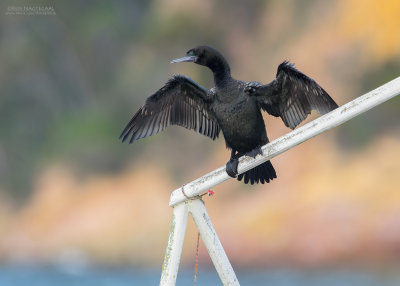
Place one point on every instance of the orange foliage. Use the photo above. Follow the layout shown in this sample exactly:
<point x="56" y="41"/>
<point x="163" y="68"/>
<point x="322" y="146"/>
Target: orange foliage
<point x="374" y="23"/>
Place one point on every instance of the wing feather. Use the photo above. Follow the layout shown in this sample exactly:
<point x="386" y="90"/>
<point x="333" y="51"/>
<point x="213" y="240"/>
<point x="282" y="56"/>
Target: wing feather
<point x="181" y="102"/>
<point x="292" y="95"/>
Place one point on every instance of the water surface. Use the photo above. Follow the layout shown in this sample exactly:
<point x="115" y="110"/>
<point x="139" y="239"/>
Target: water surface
<point x="51" y="276"/>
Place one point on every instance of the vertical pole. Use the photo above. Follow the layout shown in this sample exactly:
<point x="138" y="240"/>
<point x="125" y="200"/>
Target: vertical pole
<point x="173" y="252"/>
<point x="213" y="245"/>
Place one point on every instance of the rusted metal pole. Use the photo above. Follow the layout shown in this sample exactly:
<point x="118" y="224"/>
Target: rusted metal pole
<point x="173" y="252"/>
<point x="182" y="202"/>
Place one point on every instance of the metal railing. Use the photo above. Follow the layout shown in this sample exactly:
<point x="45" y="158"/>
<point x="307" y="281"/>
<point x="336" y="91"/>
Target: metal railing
<point x="187" y="199"/>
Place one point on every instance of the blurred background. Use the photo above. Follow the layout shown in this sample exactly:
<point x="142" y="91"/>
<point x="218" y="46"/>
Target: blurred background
<point x="79" y="207"/>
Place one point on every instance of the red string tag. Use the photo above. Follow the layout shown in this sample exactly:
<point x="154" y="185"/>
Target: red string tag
<point x="210" y="192"/>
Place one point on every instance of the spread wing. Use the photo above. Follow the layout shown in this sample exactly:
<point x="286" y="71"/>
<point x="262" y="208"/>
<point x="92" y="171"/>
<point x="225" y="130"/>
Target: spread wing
<point x="292" y="95"/>
<point x="181" y="102"/>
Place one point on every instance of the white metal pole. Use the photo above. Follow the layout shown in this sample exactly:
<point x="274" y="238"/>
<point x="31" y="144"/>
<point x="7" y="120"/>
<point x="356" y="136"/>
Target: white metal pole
<point x="212" y="243"/>
<point x="280" y="145"/>
<point x="173" y="252"/>
<point x="199" y="186"/>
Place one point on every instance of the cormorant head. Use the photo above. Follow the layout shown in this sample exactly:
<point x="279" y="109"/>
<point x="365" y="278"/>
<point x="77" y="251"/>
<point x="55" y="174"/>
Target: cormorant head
<point x="202" y="55"/>
<point x="211" y="58"/>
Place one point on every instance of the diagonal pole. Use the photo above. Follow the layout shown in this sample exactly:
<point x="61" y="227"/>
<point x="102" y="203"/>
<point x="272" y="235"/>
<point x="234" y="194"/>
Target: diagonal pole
<point x="290" y="140"/>
<point x="212" y="242"/>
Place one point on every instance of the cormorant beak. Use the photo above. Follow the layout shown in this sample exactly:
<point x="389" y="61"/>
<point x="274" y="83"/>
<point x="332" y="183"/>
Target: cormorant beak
<point x="184" y="59"/>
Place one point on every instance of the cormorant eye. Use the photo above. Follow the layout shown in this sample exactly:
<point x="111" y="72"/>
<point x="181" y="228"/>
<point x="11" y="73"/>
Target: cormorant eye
<point x="191" y="53"/>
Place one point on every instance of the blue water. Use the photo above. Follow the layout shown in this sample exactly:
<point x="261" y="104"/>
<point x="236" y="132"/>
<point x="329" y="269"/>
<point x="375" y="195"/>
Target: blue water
<point x="50" y="276"/>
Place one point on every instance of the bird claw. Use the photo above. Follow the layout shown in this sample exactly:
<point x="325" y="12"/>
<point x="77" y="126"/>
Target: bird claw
<point x="231" y="167"/>
<point x="253" y="153"/>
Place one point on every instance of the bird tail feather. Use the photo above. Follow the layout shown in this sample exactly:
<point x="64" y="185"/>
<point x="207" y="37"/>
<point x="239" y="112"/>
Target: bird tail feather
<point x="260" y="174"/>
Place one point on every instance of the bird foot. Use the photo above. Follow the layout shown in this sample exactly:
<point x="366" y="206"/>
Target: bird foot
<point x="253" y="153"/>
<point x="231" y="167"/>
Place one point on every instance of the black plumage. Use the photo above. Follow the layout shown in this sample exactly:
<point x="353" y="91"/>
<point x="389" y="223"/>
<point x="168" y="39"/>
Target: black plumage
<point x="232" y="106"/>
<point x="180" y="102"/>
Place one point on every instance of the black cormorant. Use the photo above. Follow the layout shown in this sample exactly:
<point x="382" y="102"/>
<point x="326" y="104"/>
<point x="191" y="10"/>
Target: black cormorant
<point x="232" y="106"/>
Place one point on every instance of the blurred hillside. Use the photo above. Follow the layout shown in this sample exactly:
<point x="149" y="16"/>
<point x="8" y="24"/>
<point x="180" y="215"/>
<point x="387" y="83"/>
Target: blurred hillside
<point x="70" y="82"/>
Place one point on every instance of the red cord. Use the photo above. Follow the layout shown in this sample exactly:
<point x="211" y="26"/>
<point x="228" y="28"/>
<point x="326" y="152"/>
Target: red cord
<point x="197" y="258"/>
